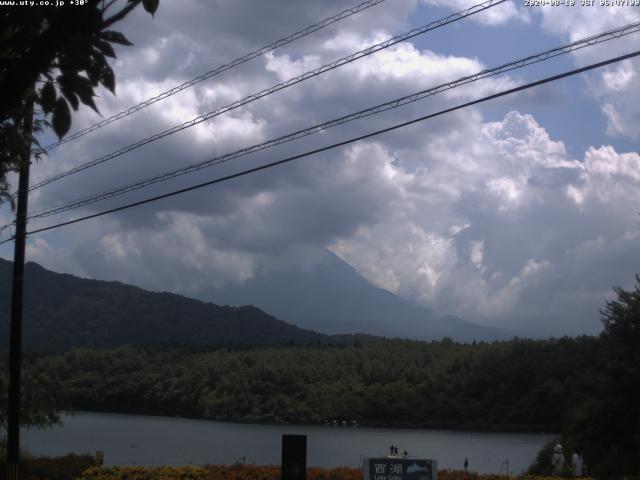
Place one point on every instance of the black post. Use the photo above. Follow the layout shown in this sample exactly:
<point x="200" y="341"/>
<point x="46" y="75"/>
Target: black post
<point x="15" y="339"/>
<point x="294" y="457"/>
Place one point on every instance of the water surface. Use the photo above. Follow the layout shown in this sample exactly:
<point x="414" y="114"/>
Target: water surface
<point x="146" y="440"/>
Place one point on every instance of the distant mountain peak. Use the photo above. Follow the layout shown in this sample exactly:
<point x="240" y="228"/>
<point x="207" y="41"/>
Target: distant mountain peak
<point x="328" y="295"/>
<point x="324" y="295"/>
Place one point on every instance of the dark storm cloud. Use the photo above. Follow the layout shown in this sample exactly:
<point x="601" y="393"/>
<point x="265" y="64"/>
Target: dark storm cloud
<point x="493" y="221"/>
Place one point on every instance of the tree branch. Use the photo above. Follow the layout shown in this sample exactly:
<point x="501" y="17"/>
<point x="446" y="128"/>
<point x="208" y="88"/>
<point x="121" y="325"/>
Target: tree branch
<point x="108" y="5"/>
<point x="121" y="14"/>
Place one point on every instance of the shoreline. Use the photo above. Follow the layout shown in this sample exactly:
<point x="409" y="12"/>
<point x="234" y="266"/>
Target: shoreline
<point x="402" y="427"/>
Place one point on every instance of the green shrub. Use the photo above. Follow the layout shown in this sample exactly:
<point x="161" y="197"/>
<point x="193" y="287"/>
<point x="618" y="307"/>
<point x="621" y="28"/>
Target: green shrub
<point x="67" y="467"/>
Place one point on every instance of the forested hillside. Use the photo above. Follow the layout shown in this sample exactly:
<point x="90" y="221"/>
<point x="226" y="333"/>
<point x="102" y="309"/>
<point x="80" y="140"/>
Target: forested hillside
<point x="63" y="311"/>
<point x="520" y="384"/>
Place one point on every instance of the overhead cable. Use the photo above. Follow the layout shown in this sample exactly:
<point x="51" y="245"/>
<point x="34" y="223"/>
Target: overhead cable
<point x="280" y="86"/>
<point x="218" y="70"/>
<point x="338" y="144"/>
<point x="405" y="100"/>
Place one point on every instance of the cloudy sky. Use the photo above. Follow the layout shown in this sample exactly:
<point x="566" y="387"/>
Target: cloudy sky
<point x="521" y="212"/>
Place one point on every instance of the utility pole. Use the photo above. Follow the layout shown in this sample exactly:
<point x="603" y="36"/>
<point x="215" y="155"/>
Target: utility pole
<point x="15" y="338"/>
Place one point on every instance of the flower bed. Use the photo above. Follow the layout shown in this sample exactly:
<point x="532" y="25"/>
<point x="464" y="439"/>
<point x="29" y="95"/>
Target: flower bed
<point x="247" y="472"/>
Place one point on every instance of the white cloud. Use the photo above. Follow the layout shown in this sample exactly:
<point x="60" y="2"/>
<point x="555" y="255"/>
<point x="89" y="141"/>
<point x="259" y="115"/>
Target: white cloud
<point x="580" y="22"/>
<point x="400" y="256"/>
<point x="498" y="15"/>
<point x="286" y="67"/>
<point x="496" y="221"/>
<point x="477" y="253"/>
<point x="612" y="86"/>
<point x="523" y="143"/>
<point x="620" y="77"/>
<point x="509" y="248"/>
<point x="508" y="190"/>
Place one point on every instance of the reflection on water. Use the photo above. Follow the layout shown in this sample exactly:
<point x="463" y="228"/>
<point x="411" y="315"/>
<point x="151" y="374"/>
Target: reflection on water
<point x="141" y="440"/>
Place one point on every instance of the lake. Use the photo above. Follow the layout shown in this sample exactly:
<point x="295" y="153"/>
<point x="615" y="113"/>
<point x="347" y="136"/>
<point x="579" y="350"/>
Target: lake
<point x="146" y="440"/>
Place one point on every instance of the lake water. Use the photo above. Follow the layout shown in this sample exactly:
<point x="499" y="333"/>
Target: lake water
<point x="143" y="440"/>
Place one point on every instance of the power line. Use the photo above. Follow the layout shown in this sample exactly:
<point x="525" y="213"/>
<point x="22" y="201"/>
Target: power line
<point x="339" y="144"/>
<point x="529" y="60"/>
<point x="280" y="86"/>
<point x="220" y="69"/>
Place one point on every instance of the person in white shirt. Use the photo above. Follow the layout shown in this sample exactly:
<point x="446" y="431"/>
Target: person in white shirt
<point x="557" y="461"/>
<point x="576" y="462"/>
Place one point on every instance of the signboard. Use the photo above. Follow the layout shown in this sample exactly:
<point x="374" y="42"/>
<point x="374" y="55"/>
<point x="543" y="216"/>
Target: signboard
<point x="389" y="468"/>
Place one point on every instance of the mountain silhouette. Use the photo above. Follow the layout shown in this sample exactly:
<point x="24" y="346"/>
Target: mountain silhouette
<point x="331" y="297"/>
<point x="62" y="311"/>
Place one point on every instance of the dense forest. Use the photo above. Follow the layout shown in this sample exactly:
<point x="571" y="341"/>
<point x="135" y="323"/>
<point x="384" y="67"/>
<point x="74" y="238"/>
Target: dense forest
<point x="521" y="384"/>
<point x="588" y="388"/>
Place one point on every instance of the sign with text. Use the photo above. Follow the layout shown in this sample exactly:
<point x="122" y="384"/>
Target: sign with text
<point x="389" y="468"/>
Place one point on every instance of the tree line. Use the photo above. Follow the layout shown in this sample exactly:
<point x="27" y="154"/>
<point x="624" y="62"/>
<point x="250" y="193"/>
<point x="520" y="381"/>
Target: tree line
<point x="587" y="388"/>
<point x="515" y="385"/>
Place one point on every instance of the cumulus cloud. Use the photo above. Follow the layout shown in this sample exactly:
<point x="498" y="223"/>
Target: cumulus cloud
<point x="613" y="86"/>
<point x="503" y="13"/>
<point x="612" y="89"/>
<point x="577" y="23"/>
<point x="525" y="231"/>
<point x="492" y="219"/>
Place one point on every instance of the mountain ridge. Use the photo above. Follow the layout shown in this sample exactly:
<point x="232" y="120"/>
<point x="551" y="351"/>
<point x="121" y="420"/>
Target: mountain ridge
<point x="330" y="303"/>
<point x="331" y="297"/>
<point x="62" y="311"/>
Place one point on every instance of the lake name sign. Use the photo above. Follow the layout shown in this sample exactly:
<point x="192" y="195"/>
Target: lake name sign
<point x="391" y="468"/>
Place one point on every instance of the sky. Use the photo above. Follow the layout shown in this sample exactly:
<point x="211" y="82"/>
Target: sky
<point x="520" y="213"/>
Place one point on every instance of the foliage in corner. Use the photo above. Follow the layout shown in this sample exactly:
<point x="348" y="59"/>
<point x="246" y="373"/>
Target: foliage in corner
<point x="42" y="399"/>
<point x="607" y="427"/>
<point x="53" y="59"/>
<point x="66" y="467"/>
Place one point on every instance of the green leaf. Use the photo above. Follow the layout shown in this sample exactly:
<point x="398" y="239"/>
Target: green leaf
<point x="71" y="98"/>
<point x="108" y="79"/>
<point x="115" y="37"/>
<point x="48" y="97"/>
<point x="66" y="86"/>
<point x="105" y="48"/>
<point x="75" y="56"/>
<point x="101" y="72"/>
<point x="61" y="118"/>
<point x="82" y="88"/>
<point x="93" y="71"/>
<point x="150" y="5"/>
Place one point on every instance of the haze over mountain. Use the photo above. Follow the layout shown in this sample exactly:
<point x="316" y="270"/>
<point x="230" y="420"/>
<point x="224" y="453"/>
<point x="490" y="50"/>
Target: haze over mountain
<point x="329" y="296"/>
<point x="62" y="311"/>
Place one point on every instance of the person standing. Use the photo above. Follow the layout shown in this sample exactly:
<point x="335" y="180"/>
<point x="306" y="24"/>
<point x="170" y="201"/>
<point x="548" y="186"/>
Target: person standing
<point x="466" y="464"/>
<point x="577" y="463"/>
<point x="557" y="461"/>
